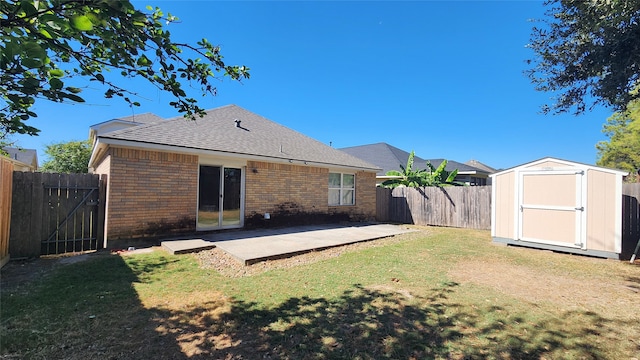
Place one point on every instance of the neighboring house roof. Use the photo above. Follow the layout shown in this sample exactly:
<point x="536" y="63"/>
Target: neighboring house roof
<point x="390" y="157"/>
<point x="481" y="166"/>
<point x="463" y="169"/>
<point x="123" y="123"/>
<point x="384" y="156"/>
<point x="28" y="157"/>
<point x="232" y="131"/>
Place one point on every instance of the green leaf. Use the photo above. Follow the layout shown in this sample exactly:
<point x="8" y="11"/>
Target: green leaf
<point x="31" y="63"/>
<point x="46" y="34"/>
<point x="100" y="77"/>
<point x="56" y="73"/>
<point x="143" y="61"/>
<point x="56" y="84"/>
<point x="11" y="49"/>
<point x="34" y="50"/>
<point x="73" y="97"/>
<point x="28" y="8"/>
<point x="82" y="23"/>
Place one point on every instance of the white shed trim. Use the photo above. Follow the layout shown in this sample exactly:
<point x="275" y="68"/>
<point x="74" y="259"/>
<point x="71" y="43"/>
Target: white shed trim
<point x="569" y="164"/>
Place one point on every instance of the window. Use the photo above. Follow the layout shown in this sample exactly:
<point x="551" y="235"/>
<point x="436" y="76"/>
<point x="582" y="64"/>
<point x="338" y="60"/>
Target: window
<point x="342" y="189"/>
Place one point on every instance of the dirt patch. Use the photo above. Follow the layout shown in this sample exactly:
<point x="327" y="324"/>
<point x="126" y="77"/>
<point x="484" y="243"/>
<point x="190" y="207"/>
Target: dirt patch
<point x="536" y="286"/>
<point x="229" y="266"/>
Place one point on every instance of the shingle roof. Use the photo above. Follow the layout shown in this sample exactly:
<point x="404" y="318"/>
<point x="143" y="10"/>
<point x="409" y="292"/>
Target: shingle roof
<point x="384" y="156"/>
<point x="146" y="118"/>
<point x="27" y="156"/>
<point x="482" y="166"/>
<point x="462" y="168"/>
<point x="390" y="157"/>
<point x="256" y="136"/>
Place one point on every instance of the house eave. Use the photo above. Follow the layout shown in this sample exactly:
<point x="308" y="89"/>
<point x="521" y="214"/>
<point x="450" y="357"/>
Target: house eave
<point x="103" y="142"/>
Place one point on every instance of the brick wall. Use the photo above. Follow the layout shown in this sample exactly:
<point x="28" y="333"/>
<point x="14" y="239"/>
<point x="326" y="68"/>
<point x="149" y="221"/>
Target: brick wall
<point x="149" y="192"/>
<point x="155" y="193"/>
<point x="294" y="194"/>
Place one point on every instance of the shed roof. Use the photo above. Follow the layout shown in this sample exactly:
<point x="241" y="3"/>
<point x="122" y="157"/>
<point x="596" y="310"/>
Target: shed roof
<point x="232" y="130"/>
<point x="568" y="163"/>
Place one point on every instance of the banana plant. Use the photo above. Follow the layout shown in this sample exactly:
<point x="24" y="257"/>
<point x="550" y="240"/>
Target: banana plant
<point x="406" y="177"/>
<point x="439" y="176"/>
<point x="431" y="176"/>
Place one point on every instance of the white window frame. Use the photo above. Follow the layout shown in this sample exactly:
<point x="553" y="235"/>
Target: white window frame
<point x="342" y="188"/>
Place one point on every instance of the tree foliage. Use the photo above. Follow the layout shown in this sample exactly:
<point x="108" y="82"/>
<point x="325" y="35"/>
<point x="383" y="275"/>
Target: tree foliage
<point x="588" y="52"/>
<point x="68" y="157"/>
<point x="410" y="177"/>
<point x="622" y="150"/>
<point x="46" y="43"/>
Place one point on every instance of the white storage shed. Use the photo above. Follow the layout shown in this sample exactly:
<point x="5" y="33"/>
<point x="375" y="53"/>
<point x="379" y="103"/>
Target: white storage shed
<point x="559" y="205"/>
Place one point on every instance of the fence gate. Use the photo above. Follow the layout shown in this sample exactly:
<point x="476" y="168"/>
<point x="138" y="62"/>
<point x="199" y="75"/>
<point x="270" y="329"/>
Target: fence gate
<point x="55" y="214"/>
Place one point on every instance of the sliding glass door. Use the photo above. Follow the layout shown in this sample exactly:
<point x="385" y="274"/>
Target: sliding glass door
<point x="219" y="197"/>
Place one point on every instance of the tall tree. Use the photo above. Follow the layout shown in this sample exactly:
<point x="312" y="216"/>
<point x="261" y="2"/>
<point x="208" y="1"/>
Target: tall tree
<point x="45" y="43"/>
<point x="68" y="157"/>
<point x="588" y="52"/>
<point x="622" y="150"/>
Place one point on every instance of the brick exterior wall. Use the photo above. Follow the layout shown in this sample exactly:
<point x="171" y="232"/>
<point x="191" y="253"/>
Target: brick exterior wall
<point x="149" y="192"/>
<point x="152" y="193"/>
<point x="294" y="194"/>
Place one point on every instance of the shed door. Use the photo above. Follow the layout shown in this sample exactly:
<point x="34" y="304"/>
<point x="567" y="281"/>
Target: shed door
<point x="551" y="207"/>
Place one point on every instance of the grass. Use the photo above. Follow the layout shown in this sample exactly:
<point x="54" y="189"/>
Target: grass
<point x="439" y="293"/>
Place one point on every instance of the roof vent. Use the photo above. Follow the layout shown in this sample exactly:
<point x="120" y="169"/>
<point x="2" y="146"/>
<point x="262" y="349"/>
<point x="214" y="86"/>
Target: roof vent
<point x="237" y="122"/>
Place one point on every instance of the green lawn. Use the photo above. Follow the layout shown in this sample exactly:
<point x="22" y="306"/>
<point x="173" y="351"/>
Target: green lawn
<point x="438" y="293"/>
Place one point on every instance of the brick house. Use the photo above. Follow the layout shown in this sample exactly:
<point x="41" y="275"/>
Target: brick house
<point x="230" y="169"/>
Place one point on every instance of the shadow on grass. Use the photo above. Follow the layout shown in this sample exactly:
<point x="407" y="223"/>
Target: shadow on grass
<point x="91" y="310"/>
<point x="85" y="310"/>
<point x="368" y="323"/>
<point x="362" y="323"/>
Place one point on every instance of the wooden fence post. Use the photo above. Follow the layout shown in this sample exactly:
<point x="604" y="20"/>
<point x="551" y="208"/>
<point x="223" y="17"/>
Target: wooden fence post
<point x="6" y="186"/>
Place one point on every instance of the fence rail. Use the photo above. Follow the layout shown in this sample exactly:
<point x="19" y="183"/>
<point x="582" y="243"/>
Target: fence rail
<point x="6" y="181"/>
<point x="463" y="206"/>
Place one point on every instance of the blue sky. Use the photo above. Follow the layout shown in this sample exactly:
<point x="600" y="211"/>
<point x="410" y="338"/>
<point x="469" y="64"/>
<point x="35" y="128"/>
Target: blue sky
<point x="442" y="78"/>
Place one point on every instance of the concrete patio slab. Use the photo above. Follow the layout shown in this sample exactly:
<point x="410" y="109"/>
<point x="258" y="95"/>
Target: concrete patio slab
<point x="186" y="246"/>
<point x="251" y="246"/>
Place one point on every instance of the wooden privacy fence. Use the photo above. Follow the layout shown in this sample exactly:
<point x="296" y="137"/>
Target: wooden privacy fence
<point x="455" y="206"/>
<point x="6" y="181"/>
<point x="630" y="217"/>
<point x="56" y="213"/>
